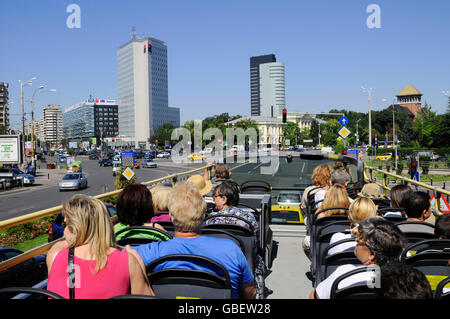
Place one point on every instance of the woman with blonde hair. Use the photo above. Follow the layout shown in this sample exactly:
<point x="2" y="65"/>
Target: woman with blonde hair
<point x="336" y="196"/>
<point x="89" y="256"/>
<point x="360" y="209"/>
<point x="160" y="197"/>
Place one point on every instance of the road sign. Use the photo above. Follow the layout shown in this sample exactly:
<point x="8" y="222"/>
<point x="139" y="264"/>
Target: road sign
<point x="344" y="132"/>
<point x="128" y="173"/>
<point x="127" y="159"/>
<point x="343" y="120"/>
<point x="444" y="206"/>
<point x="353" y="153"/>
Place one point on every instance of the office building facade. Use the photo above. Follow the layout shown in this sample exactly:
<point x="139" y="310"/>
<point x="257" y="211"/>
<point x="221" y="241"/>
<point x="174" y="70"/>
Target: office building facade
<point x="4" y="105"/>
<point x="53" y="133"/>
<point x="91" y="118"/>
<point x="255" y="62"/>
<point x="272" y="89"/>
<point x="143" y="90"/>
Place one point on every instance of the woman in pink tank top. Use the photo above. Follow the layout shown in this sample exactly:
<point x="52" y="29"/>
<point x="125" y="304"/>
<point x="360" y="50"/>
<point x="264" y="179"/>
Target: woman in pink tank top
<point x="102" y="269"/>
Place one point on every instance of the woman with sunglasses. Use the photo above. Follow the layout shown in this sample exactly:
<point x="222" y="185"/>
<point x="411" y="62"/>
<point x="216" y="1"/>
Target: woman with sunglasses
<point x="98" y="267"/>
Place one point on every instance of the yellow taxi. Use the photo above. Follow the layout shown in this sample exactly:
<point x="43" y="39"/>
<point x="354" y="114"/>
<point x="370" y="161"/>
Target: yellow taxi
<point x="196" y="156"/>
<point x="384" y="157"/>
<point x="287" y="208"/>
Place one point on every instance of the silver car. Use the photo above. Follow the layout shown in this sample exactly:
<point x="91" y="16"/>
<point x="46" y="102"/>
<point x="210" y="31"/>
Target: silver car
<point x="73" y="181"/>
<point x="149" y="163"/>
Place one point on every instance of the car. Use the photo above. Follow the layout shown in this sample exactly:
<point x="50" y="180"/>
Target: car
<point x="163" y="154"/>
<point x="105" y="162"/>
<point x="149" y="163"/>
<point x="73" y="181"/>
<point x="28" y="179"/>
<point x="287" y="207"/>
<point x="56" y="229"/>
<point x="384" y="157"/>
<point x="197" y="156"/>
<point x="24" y="274"/>
<point x="207" y="150"/>
<point x="93" y="156"/>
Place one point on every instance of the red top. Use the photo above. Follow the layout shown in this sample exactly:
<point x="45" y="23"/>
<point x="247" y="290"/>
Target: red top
<point x="111" y="281"/>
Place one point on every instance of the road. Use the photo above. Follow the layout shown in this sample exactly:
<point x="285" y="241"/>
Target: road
<point x="45" y="193"/>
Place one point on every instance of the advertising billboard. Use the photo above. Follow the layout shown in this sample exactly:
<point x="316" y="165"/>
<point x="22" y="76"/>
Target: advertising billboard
<point x="10" y="149"/>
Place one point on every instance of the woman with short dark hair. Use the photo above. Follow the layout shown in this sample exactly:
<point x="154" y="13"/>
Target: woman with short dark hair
<point x="135" y="208"/>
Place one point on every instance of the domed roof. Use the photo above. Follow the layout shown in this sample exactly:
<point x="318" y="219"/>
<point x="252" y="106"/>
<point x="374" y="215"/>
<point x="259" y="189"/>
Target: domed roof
<point x="409" y="90"/>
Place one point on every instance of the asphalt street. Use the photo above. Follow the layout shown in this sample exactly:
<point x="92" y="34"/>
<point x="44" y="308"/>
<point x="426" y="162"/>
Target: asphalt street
<point x="45" y="192"/>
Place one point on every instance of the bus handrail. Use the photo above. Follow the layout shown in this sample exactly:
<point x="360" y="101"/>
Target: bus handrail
<point x="368" y="170"/>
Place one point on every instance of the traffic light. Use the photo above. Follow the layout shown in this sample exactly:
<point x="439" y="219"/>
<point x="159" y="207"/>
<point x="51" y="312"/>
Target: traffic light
<point x="284" y="115"/>
<point x="413" y="167"/>
<point x="344" y="152"/>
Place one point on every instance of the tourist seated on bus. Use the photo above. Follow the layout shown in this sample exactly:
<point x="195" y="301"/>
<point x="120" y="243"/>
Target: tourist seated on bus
<point x="135" y="208"/>
<point x="226" y="199"/>
<point x="402" y="281"/>
<point x="187" y="211"/>
<point x="321" y="178"/>
<point x="160" y="199"/>
<point x="360" y="209"/>
<point x="336" y="196"/>
<point x="378" y="242"/>
<point x="417" y="206"/>
<point x="338" y="177"/>
<point x="399" y="193"/>
<point x="442" y="227"/>
<point x="222" y="174"/>
<point x="101" y="268"/>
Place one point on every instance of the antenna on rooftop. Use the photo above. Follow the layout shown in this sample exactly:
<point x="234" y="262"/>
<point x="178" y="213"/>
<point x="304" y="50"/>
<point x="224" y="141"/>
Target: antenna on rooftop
<point x="133" y="32"/>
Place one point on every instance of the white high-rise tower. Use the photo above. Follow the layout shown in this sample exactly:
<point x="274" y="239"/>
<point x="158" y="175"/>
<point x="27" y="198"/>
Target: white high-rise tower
<point x="143" y="90"/>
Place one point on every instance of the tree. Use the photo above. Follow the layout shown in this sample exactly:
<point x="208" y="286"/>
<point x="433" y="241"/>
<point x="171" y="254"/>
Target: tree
<point x="163" y="134"/>
<point x="291" y="132"/>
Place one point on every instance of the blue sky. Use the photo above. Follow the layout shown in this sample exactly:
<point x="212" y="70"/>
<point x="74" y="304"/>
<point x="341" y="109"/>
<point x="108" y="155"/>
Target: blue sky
<point x="327" y="48"/>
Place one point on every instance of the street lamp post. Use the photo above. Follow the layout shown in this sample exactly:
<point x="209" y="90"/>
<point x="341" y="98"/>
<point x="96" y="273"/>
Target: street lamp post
<point x="357" y="133"/>
<point x="369" y="91"/>
<point x="22" y="84"/>
<point x="32" y="121"/>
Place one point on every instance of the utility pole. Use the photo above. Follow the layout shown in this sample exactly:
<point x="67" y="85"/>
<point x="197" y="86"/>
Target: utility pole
<point x="22" y="84"/>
